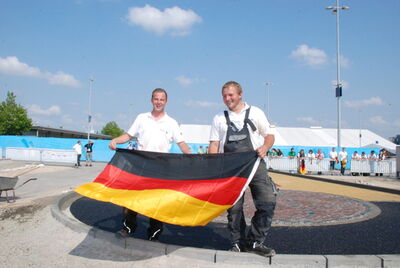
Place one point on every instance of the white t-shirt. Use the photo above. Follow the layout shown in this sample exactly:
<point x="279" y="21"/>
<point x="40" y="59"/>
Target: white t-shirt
<point x="333" y="155"/>
<point x="342" y="155"/>
<point x="155" y="135"/>
<point x="256" y="115"/>
<point x="78" y="148"/>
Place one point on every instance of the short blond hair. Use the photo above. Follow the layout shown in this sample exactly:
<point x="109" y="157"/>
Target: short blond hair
<point x="159" y="90"/>
<point x="233" y="84"/>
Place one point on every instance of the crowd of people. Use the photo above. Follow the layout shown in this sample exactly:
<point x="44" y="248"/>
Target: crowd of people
<point x="334" y="157"/>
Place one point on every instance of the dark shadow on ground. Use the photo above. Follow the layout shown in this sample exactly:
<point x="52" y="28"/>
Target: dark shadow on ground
<point x="380" y="235"/>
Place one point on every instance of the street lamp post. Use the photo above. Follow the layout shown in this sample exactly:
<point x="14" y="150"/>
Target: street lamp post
<point x="336" y="10"/>
<point x="90" y="108"/>
<point x="267" y="98"/>
<point x="359" y="135"/>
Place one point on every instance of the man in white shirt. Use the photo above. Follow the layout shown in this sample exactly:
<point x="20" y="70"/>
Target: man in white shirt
<point x="78" y="149"/>
<point x="154" y="131"/>
<point x="343" y="160"/>
<point x="333" y="158"/>
<point x="245" y="128"/>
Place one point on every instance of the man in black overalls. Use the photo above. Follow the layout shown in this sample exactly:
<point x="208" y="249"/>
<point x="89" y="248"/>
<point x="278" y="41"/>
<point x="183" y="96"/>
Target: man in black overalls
<point x="245" y="128"/>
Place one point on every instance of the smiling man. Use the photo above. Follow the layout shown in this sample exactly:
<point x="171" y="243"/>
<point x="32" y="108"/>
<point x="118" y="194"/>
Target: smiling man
<point x="154" y="131"/>
<point x="246" y="128"/>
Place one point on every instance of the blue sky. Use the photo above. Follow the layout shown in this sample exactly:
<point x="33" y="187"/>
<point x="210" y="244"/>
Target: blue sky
<point x="50" y="49"/>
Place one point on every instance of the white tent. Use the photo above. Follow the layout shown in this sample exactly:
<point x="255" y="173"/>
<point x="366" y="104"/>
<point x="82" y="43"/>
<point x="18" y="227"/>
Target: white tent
<point x="310" y="137"/>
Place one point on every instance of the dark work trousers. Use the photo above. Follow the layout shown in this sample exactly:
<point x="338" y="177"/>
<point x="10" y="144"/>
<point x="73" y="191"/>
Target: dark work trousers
<point x="155" y="226"/>
<point x="342" y="168"/>
<point x="264" y="193"/>
<point x="332" y="165"/>
<point x="78" y="160"/>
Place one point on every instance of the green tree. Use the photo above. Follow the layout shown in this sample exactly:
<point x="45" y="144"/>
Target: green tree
<point x="112" y="129"/>
<point x="14" y="119"/>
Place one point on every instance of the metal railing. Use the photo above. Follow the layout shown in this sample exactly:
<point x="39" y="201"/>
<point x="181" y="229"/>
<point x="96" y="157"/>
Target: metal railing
<point x="293" y="164"/>
<point x="386" y="167"/>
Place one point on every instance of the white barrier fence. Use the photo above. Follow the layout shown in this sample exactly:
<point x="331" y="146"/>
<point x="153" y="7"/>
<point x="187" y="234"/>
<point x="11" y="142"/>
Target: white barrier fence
<point x="292" y="164"/>
<point x="387" y="167"/>
<point x="41" y="155"/>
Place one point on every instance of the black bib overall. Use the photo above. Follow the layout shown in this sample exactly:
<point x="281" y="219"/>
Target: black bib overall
<point x="238" y="140"/>
<point x="262" y="189"/>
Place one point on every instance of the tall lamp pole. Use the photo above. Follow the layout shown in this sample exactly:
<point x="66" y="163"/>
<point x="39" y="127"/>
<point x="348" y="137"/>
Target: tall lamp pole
<point x="267" y="98"/>
<point x="336" y="10"/>
<point x="90" y="108"/>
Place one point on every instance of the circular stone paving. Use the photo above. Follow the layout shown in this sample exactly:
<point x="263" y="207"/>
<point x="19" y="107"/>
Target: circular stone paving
<point x="301" y="208"/>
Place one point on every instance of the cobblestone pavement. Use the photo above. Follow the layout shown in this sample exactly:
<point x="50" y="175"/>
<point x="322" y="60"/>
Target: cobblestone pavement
<point x="302" y="208"/>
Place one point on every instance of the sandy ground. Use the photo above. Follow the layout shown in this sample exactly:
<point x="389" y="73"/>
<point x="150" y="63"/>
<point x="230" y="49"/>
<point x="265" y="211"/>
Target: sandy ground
<point x="31" y="237"/>
<point x="36" y="239"/>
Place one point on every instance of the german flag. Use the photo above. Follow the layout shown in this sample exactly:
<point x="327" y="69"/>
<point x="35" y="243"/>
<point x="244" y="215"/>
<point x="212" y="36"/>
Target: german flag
<point x="182" y="189"/>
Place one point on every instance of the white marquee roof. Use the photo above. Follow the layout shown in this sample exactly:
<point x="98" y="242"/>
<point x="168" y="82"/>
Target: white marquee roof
<point x="291" y="136"/>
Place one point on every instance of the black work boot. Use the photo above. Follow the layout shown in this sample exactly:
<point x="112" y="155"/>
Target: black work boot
<point x="261" y="249"/>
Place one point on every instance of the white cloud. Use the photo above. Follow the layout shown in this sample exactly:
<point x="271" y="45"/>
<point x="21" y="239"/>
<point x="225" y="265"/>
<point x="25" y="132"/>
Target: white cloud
<point x="312" y="57"/>
<point x="307" y="119"/>
<point x="37" y="110"/>
<point x="185" y="81"/>
<point x="67" y="119"/>
<point x="175" y="20"/>
<point x="377" y="101"/>
<point x="62" y="79"/>
<point x="378" y="120"/>
<point x="12" y="66"/>
<point x="203" y="104"/>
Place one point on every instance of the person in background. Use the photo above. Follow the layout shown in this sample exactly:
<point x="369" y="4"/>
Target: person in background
<point x="311" y="154"/>
<point x="201" y="150"/>
<point x="333" y="158"/>
<point x="292" y="153"/>
<point x="301" y="154"/>
<point x="130" y="146"/>
<point x="89" y="153"/>
<point x="343" y="160"/>
<point x="372" y="156"/>
<point x="320" y="155"/>
<point x="355" y="156"/>
<point x="363" y="156"/>
<point x="78" y="149"/>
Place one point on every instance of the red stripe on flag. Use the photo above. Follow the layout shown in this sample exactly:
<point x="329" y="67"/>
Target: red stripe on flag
<point x="222" y="191"/>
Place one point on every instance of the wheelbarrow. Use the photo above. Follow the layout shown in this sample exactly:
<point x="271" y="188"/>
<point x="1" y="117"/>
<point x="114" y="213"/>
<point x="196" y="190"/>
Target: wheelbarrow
<point x="7" y="184"/>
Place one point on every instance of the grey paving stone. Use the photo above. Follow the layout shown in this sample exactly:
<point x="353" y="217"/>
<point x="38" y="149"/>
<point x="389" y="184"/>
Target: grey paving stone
<point x="353" y="261"/>
<point x="194" y="253"/>
<point x="241" y="258"/>
<point x="390" y="261"/>
<point x="311" y="261"/>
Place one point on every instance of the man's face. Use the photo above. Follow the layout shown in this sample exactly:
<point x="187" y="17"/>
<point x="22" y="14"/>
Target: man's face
<point x="159" y="100"/>
<point x="231" y="97"/>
